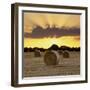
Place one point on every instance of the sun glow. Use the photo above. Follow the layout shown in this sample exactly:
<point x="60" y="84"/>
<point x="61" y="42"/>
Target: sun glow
<point x="47" y="42"/>
<point x="59" y="20"/>
<point x="53" y="41"/>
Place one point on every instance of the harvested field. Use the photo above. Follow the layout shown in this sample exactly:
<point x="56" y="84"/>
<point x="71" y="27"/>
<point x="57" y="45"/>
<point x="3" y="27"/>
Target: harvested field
<point x="35" y="66"/>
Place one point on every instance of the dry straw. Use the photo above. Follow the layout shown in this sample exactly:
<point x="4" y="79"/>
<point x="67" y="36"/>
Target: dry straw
<point x="60" y="52"/>
<point x="51" y="58"/>
<point x="66" y="54"/>
<point x="37" y="53"/>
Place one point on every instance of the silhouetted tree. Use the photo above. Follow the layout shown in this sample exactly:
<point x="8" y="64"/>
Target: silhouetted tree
<point x="30" y="50"/>
<point x="25" y="49"/>
<point x="54" y="47"/>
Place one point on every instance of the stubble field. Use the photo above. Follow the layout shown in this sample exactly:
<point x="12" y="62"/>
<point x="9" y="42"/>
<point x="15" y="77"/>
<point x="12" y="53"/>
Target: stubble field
<point x="35" y="66"/>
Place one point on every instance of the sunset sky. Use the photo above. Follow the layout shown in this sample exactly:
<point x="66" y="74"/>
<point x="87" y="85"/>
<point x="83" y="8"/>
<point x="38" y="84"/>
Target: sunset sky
<point x="45" y="29"/>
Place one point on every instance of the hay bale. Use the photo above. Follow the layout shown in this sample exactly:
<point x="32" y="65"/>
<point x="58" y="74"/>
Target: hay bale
<point x="60" y="52"/>
<point x="51" y="58"/>
<point x="37" y="53"/>
<point x="66" y="54"/>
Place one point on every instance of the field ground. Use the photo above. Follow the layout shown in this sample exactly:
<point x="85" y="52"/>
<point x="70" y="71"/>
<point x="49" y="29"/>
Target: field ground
<point x="35" y="66"/>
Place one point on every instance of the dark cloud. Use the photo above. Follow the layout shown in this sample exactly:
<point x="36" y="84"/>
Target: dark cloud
<point x="39" y="32"/>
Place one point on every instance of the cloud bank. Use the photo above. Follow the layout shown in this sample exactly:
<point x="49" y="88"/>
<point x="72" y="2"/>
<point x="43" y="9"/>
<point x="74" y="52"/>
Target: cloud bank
<point x="39" y="32"/>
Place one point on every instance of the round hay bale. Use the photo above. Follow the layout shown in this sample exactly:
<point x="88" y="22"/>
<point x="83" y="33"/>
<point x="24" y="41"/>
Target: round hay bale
<point x="66" y="54"/>
<point x="37" y="53"/>
<point x="60" y="52"/>
<point x="51" y="58"/>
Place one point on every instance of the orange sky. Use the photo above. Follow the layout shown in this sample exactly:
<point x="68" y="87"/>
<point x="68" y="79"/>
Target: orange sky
<point x="59" y="20"/>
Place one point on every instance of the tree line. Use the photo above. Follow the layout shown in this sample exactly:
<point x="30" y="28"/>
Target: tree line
<point x="53" y="47"/>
